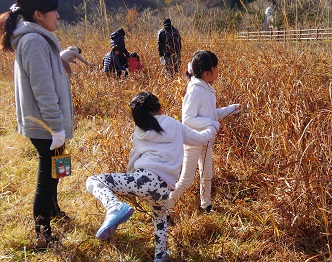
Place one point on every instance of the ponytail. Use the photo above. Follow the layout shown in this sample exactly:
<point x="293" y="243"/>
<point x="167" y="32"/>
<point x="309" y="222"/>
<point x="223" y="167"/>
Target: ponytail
<point x="143" y="107"/>
<point x="8" y="22"/>
<point x="26" y="9"/>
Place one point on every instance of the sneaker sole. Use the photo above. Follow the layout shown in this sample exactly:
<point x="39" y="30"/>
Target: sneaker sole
<point x="109" y="231"/>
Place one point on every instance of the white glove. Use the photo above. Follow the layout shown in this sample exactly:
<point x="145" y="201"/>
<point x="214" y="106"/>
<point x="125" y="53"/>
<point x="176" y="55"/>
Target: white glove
<point x="162" y="60"/>
<point x="58" y="139"/>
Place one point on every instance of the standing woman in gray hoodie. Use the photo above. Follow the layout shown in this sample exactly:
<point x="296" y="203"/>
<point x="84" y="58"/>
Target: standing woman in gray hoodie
<point x="42" y="95"/>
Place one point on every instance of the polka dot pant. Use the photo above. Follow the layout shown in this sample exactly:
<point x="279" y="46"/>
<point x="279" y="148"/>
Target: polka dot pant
<point x="143" y="184"/>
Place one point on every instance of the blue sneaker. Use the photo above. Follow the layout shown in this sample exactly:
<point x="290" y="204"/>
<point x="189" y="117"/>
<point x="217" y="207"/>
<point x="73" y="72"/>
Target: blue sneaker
<point x="113" y="220"/>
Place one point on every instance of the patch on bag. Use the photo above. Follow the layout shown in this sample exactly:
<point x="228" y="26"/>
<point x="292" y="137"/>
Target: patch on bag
<point x="61" y="166"/>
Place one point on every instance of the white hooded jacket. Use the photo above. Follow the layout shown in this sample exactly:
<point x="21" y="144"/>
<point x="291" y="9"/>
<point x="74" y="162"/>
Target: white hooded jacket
<point x="199" y="105"/>
<point x="162" y="153"/>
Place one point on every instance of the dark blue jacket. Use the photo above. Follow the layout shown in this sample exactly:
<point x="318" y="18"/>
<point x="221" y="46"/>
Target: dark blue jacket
<point x="111" y="63"/>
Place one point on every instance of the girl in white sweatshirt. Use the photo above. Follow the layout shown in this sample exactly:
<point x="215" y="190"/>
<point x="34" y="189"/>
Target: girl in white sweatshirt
<point x="69" y="55"/>
<point x="153" y="168"/>
<point x="199" y="111"/>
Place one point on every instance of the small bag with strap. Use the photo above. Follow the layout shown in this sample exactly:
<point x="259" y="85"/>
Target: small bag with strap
<point x="61" y="163"/>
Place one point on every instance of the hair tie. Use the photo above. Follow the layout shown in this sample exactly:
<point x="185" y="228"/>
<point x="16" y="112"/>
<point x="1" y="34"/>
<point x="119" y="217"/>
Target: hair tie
<point x="138" y="99"/>
<point x="14" y="8"/>
<point x="190" y="68"/>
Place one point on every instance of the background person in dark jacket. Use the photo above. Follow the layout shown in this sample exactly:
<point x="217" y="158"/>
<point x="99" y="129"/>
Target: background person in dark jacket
<point x="169" y="47"/>
<point x="112" y="64"/>
<point x="117" y="39"/>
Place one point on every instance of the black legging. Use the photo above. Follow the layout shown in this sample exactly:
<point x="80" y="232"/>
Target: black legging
<point x="45" y="202"/>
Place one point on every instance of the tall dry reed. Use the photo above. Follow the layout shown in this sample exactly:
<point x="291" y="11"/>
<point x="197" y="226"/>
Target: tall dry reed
<point x="272" y="163"/>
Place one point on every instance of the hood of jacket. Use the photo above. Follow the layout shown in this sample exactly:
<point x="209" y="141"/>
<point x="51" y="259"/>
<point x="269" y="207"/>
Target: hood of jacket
<point x="168" y="136"/>
<point x="24" y="27"/>
<point x="196" y="82"/>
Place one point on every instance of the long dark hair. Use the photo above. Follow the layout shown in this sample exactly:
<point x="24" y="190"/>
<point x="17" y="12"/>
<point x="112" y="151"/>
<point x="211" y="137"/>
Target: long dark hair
<point x="143" y="106"/>
<point x="26" y="9"/>
<point x="202" y="60"/>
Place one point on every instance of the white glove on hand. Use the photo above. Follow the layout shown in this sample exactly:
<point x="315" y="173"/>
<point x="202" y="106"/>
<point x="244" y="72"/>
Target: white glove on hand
<point x="58" y="139"/>
<point x="162" y="60"/>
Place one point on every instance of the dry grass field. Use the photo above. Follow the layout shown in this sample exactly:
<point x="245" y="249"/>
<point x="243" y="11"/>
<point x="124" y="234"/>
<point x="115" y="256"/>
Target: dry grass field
<point x="272" y="163"/>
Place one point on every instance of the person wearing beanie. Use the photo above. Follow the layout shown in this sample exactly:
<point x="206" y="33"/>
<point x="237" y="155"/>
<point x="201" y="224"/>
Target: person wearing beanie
<point x="43" y="98"/>
<point x="169" y="47"/>
<point x="117" y="39"/>
<point x="111" y="63"/>
<point x="167" y="24"/>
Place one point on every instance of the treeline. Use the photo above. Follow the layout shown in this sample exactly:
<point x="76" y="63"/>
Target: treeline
<point x="220" y="15"/>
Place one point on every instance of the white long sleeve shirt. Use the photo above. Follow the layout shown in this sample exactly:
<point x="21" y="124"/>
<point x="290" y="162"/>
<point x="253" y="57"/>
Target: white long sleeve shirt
<point x="69" y="54"/>
<point x="199" y="105"/>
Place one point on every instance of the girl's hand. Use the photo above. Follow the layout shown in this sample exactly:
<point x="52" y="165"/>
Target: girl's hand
<point x="239" y="107"/>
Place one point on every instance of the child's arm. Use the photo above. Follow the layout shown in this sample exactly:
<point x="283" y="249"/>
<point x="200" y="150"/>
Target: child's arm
<point x="222" y="112"/>
<point x="106" y="63"/>
<point x="197" y="138"/>
<point x="82" y="59"/>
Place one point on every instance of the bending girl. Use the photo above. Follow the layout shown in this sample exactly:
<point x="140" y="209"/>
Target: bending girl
<point x="152" y="171"/>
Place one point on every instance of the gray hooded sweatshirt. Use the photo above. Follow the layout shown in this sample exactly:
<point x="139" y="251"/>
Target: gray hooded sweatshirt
<point x="42" y="91"/>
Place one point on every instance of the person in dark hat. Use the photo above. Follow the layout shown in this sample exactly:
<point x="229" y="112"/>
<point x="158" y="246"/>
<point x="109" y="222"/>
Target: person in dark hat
<point x="117" y="39"/>
<point x="167" y="24"/>
<point x="112" y="64"/>
<point x="169" y="47"/>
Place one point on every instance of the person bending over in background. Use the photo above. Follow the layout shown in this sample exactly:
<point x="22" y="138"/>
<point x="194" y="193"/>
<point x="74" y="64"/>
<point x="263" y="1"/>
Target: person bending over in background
<point x="69" y="55"/>
<point x="169" y="47"/>
<point x="112" y="64"/>
<point x="42" y="95"/>
<point x="117" y="39"/>
<point x="153" y="168"/>
<point x="199" y="111"/>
